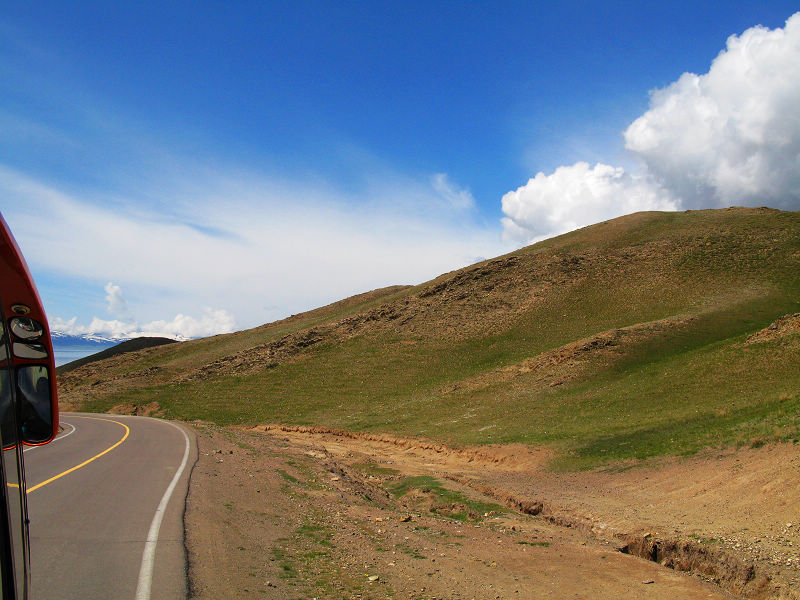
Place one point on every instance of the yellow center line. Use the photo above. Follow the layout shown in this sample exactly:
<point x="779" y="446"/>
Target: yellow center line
<point x="86" y="462"/>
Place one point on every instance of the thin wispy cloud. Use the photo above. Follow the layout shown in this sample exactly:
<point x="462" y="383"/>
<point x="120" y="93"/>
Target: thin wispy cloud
<point x="456" y="196"/>
<point x="260" y="251"/>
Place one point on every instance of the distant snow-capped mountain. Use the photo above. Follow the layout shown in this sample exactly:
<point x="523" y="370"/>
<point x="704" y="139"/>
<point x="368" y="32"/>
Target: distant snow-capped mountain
<point x="68" y="347"/>
<point x="64" y="340"/>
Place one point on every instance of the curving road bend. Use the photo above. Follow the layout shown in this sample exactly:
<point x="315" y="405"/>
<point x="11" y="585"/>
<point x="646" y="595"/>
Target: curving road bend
<point x="106" y="501"/>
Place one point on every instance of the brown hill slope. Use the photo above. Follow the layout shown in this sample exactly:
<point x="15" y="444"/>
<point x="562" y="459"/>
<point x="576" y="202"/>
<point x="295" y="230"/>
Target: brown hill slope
<point x="607" y="342"/>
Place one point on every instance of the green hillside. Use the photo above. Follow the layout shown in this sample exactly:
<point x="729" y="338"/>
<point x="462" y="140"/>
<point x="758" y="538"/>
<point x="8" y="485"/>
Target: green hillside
<point x="627" y="339"/>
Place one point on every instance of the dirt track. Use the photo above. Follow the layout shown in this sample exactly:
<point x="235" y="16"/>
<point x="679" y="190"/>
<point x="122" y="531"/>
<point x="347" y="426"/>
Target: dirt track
<point x="300" y="513"/>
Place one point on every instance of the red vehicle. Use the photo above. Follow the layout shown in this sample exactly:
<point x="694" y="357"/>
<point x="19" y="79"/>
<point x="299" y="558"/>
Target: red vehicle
<point x="28" y="406"/>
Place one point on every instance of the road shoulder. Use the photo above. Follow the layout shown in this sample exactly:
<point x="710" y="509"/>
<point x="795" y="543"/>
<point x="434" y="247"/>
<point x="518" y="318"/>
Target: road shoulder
<point x="272" y="515"/>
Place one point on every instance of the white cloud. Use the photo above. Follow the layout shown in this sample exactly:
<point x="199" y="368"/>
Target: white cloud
<point x="576" y="196"/>
<point x="211" y="323"/>
<point x="728" y="137"/>
<point x="456" y="197"/>
<point x="262" y="249"/>
<point x="182" y="327"/>
<point x="113" y="328"/>
<point x="732" y="135"/>
<point x="117" y="304"/>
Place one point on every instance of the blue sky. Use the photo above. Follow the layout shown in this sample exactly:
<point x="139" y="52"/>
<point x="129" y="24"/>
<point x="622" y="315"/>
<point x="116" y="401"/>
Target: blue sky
<point x="191" y="168"/>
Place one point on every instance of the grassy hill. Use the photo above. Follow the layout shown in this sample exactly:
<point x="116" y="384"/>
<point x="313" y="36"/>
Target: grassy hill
<point x="623" y="340"/>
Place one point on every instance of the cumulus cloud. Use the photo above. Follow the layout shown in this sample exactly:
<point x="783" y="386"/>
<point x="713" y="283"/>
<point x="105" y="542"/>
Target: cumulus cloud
<point x="212" y="322"/>
<point x="112" y="328"/>
<point x="732" y="135"/>
<point x="117" y="304"/>
<point x="182" y="327"/>
<point x="576" y="196"/>
<point x="728" y="137"/>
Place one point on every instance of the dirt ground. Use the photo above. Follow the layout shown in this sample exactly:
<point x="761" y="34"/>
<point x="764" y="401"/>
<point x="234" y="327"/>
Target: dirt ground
<point x="304" y="513"/>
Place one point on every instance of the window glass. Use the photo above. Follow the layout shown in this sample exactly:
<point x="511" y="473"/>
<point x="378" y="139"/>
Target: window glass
<point x="8" y="424"/>
<point x="36" y="417"/>
<point x="3" y="345"/>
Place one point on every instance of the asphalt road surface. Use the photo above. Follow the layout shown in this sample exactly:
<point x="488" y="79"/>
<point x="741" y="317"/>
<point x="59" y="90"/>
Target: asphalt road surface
<point x="106" y="501"/>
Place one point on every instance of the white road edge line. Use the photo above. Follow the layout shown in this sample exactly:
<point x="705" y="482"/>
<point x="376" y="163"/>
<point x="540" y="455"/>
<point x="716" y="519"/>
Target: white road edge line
<point x="55" y="439"/>
<point x="149" y="554"/>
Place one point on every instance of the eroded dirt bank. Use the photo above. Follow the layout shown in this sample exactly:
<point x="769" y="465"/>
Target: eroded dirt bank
<point x="299" y="513"/>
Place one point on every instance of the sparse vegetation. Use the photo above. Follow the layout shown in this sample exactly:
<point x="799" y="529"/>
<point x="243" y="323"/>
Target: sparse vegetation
<point x="286" y="476"/>
<point x="371" y="468"/>
<point x="429" y="493"/>
<point x="536" y="543"/>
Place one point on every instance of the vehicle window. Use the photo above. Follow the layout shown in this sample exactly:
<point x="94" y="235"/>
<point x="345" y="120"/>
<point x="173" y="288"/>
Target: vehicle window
<point x="36" y="418"/>
<point x="8" y="425"/>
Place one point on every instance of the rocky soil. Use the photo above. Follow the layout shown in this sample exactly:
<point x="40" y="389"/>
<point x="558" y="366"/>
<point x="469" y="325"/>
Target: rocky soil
<point x="277" y="512"/>
<point x="780" y="328"/>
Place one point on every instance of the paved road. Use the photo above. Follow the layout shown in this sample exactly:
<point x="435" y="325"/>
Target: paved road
<point x="96" y="527"/>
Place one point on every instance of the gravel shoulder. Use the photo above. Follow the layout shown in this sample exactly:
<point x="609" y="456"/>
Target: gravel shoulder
<point x="301" y="513"/>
